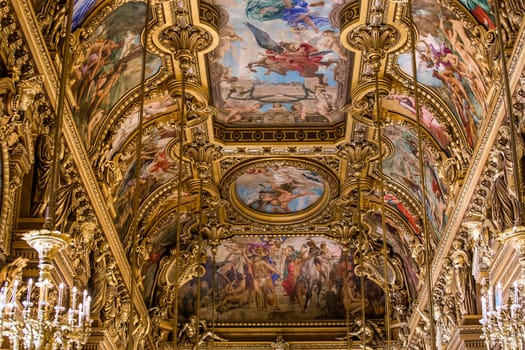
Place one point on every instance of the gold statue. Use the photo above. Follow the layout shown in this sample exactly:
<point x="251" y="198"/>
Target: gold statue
<point x="196" y="332"/>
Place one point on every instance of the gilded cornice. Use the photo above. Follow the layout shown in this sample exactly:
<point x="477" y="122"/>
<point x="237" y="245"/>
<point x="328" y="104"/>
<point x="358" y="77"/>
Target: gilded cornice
<point x="5" y="201"/>
<point x="279" y="134"/>
<point x="36" y="45"/>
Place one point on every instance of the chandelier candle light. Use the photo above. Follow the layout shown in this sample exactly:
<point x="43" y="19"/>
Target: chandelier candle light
<point x="504" y="321"/>
<point x="38" y="322"/>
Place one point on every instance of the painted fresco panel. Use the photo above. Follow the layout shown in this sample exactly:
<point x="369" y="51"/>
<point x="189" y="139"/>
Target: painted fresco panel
<point x="403" y="167"/>
<point x="279" y="189"/>
<point x="277" y="62"/>
<point x="110" y="66"/>
<point x="157" y="168"/>
<point x="402" y="103"/>
<point x="80" y="10"/>
<point x="448" y="64"/>
<point x="161" y="104"/>
<point x="400" y="244"/>
<point x="481" y="11"/>
<point x="270" y="279"/>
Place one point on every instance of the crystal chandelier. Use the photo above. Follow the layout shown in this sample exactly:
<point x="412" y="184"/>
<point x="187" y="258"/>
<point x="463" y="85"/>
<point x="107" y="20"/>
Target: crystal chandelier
<point x="34" y="320"/>
<point x="504" y="318"/>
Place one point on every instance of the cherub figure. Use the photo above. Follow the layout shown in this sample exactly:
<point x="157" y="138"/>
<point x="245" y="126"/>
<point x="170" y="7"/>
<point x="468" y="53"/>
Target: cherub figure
<point x="331" y="42"/>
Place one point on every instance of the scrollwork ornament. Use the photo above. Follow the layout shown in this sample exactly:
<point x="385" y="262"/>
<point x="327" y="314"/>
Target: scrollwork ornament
<point x="52" y="20"/>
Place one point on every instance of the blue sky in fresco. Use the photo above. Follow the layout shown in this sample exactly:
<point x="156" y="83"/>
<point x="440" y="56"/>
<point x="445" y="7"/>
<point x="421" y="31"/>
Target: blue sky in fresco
<point x="80" y="10"/>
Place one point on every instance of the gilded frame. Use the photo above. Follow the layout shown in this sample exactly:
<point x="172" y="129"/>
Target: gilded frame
<point x="5" y="201"/>
<point x="330" y="182"/>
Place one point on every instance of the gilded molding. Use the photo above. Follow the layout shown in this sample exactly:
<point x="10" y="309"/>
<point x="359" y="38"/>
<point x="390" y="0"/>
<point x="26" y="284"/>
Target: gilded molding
<point x="6" y="207"/>
<point x="275" y="135"/>
<point x="331" y="189"/>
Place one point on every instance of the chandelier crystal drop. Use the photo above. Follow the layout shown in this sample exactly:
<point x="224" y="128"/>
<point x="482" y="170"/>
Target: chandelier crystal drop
<point x="34" y="319"/>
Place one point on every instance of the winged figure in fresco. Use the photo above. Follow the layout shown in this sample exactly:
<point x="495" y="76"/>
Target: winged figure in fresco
<point x="263" y="39"/>
<point x="283" y="57"/>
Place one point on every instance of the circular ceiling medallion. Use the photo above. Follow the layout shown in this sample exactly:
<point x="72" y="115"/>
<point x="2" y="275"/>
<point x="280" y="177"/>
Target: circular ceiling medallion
<point x="279" y="190"/>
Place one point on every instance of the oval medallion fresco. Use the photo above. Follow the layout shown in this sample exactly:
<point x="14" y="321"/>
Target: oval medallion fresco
<point x="279" y="189"/>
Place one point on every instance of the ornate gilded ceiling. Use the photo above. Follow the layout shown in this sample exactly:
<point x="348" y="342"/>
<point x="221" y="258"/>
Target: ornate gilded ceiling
<point x="260" y="139"/>
<point x="278" y="107"/>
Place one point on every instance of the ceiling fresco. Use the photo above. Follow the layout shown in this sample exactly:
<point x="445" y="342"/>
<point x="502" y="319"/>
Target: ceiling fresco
<point x="123" y="129"/>
<point x="109" y="65"/>
<point x="402" y="103"/>
<point x="285" y="190"/>
<point x="264" y="166"/>
<point x="404" y="166"/>
<point x="448" y="64"/>
<point x="278" y="189"/>
<point x="80" y="10"/>
<point x="279" y="62"/>
<point x="284" y="279"/>
<point x="480" y="9"/>
<point x="280" y="171"/>
<point x="158" y="166"/>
